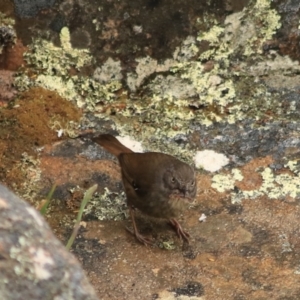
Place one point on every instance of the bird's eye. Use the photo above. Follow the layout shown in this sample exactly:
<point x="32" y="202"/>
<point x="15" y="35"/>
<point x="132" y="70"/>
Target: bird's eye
<point x="193" y="183"/>
<point x="134" y="185"/>
<point x="173" y="179"/>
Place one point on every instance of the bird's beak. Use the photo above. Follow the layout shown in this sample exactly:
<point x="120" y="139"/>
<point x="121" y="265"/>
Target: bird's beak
<point x="183" y="191"/>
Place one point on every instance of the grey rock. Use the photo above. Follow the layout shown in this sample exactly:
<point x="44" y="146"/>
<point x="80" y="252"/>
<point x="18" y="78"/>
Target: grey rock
<point x="33" y="263"/>
<point x="30" y="8"/>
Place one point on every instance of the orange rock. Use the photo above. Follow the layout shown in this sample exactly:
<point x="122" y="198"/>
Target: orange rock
<point x="12" y="56"/>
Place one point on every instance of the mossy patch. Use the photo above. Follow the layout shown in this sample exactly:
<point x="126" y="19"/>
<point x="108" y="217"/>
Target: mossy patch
<point x="32" y="122"/>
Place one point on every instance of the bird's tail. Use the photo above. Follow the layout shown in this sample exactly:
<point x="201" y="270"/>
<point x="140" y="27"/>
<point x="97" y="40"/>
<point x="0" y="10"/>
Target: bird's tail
<point x="111" y="144"/>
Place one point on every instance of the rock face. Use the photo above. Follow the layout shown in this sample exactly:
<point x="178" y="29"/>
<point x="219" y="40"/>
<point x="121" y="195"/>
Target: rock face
<point x="214" y="82"/>
<point x="33" y="263"/>
<point x="28" y="9"/>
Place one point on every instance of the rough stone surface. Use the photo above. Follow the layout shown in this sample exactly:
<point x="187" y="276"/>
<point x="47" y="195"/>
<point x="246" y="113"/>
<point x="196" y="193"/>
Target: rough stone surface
<point x="221" y="76"/>
<point x="30" y="8"/>
<point x="34" y="264"/>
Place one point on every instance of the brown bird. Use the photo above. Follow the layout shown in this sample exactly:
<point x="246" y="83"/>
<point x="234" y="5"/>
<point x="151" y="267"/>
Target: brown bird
<point x="158" y="184"/>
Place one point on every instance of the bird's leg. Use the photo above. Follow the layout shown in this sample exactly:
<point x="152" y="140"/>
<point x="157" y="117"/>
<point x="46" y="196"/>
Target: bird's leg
<point x="135" y="232"/>
<point x="179" y="230"/>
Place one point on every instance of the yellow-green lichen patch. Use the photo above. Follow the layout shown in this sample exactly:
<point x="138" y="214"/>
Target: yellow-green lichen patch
<point x="293" y="165"/>
<point x="224" y="42"/>
<point x="27" y="168"/>
<point x="165" y="97"/>
<point x="6" y="21"/>
<point x="168" y="245"/>
<point x="49" y="59"/>
<point x="212" y="35"/>
<point x="7" y="32"/>
<point x="211" y="87"/>
<point x="110" y="71"/>
<point x="65" y="40"/>
<point x="225" y="182"/>
<point x="107" y="206"/>
<point x="190" y="89"/>
<point x="166" y="108"/>
<point x="266" y="22"/>
<point x="55" y="68"/>
<point x="216" y="91"/>
<point x="248" y="30"/>
<point x="274" y="186"/>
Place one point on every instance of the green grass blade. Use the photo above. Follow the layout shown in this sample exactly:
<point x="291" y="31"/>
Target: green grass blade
<point x="87" y="197"/>
<point x="44" y="208"/>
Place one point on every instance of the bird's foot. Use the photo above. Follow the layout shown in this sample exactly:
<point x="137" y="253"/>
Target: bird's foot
<point x="179" y="230"/>
<point x="144" y="240"/>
